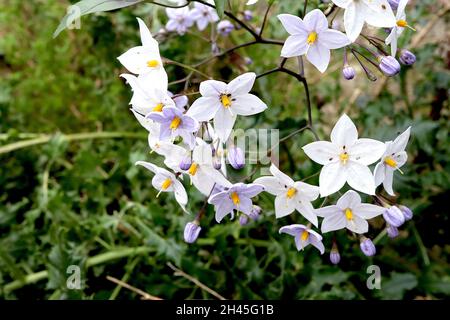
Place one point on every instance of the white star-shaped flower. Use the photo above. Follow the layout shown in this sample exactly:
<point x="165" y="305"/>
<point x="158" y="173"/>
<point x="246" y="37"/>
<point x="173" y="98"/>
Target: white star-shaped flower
<point x="397" y="30"/>
<point x="394" y="158"/>
<point x="345" y="159"/>
<point x="224" y="102"/>
<point x="348" y="213"/>
<point x="165" y="181"/>
<point x="145" y="60"/>
<point x="304" y="236"/>
<point x="290" y="195"/>
<point x="377" y="13"/>
<point x="311" y="37"/>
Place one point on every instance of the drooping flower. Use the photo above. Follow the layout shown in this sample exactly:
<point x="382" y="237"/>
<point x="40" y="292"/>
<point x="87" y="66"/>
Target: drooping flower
<point x="191" y="231"/>
<point x="388" y="65"/>
<point x="145" y="60"/>
<point x="400" y="25"/>
<point x="345" y="159"/>
<point x="367" y="247"/>
<point x="290" y="195"/>
<point x="394" y="216"/>
<point x="165" y="181"/>
<point x="174" y="123"/>
<point x="377" y="13"/>
<point x="236" y="157"/>
<point x="407" y="57"/>
<point x="348" y="72"/>
<point x="179" y="20"/>
<point x="311" y="37"/>
<point x="237" y="197"/>
<point x="393" y="159"/>
<point x="348" y="213"/>
<point x="224" y="102"/>
<point x="203" y="15"/>
<point x="224" y="27"/>
<point x="335" y="257"/>
<point x="304" y="236"/>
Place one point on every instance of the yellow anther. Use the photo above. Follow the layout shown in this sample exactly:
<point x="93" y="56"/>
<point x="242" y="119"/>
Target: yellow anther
<point x="291" y="192"/>
<point x="312" y="37"/>
<point x="193" y="169"/>
<point x="305" y="235"/>
<point x="344" y="157"/>
<point x="402" y="23"/>
<point x="166" y="184"/>
<point x="390" y="162"/>
<point x="175" y="123"/>
<point x="158" y="107"/>
<point x="152" y="63"/>
<point x="235" y="198"/>
<point x="348" y="214"/>
<point x="225" y="100"/>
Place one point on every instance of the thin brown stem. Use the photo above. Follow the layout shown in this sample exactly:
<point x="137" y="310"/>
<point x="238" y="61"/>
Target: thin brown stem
<point x="143" y="294"/>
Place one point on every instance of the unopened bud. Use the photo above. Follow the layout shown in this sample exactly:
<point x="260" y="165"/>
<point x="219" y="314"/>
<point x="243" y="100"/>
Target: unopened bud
<point x="185" y="163"/>
<point x="392" y="232"/>
<point x="394" y="216"/>
<point x="407" y="212"/>
<point x="407" y="57"/>
<point x="348" y="72"/>
<point x="367" y="247"/>
<point x="236" y="157"/>
<point x="191" y="232"/>
<point x="389" y="65"/>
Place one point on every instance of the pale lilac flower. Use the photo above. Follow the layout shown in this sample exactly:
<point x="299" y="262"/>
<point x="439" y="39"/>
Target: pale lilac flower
<point x="394" y="216"/>
<point x="400" y="25"/>
<point x="181" y="101"/>
<point x="377" y="13"/>
<point x="304" y="236"/>
<point x="290" y="195"/>
<point x="348" y="213"/>
<point x="174" y="123"/>
<point x="191" y="231"/>
<point x="248" y="15"/>
<point x="407" y="57"/>
<point x="203" y="15"/>
<point x="179" y="20"/>
<point x="165" y="181"/>
<point x="145" y="60"/>
<point x="311" y="37"/>
<point x="225" y="27"/>
<point x="393" y="159"/>
<point x="237" y="197"/>
<point x="224" y="102"/>
<point x="345" y="159"/>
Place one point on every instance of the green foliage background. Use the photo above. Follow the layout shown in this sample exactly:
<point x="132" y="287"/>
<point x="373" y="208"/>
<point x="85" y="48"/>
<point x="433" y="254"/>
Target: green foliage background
<point x="83" y="202"/>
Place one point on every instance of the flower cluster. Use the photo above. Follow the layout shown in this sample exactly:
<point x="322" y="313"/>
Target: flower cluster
<point x="196" y="141"/>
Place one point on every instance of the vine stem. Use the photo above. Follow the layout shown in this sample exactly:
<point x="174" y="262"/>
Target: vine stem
<point x="90" y="262"/>
<point x="44" y="138"/>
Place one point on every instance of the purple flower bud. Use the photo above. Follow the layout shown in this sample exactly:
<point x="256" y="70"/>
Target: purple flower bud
<point x="255" y="212"/>
<point x="191" y="232"/>
<point x="389" y="65"/>
<point x="348" y="72"/>
<point x="367" y="247"/>
<point x="185" y="163"/>
<point x="407" y="57"/>
<point x="335" y="257"/>
<point x="217" y="164"/>
<point x="248" y="15"/>
<point x="394" y="216"/>
<point x="392" y="232"/>
<point x="248" y="60"/>
<point x="236" y="157"/>
<point x="225" y="27"/>
<point x="215" y="49"/>
<point x="394" y="4"/>
<point x="243" y="219"/>
<point x="407" y="212"/>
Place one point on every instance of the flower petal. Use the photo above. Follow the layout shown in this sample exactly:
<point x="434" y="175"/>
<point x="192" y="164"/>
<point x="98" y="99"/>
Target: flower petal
<point x="222" y="209"/>
<point x="317" y="243"/>
<point x="368" y="211"/>
<point x="306" y="191"/>
<point x="293" y="229"/>
<point x="271" y="185"/>
<point x="282" y="177"/>
<point x="354" y="20"/>
<point x="292" y="24"/>
<point x="295" y="46"/>
<point x="306" y="209"/>
<point x="146" y="37"/>
<point x="241" y="85"/>
<point x="283" y="206"/>
<point x="366" y="151"/>
<point x="252" y="190"/>
<point x="344" y="132"/>
<point x="319" y="56"/>
<point x="401" y="141"/>
<point x="223" y="123"/>
<point x="180" y="193"/>
<point x="357" y="225"/>
<point x="247" y="105"/>
<point x="380" y="14"/>
<point x="350" y="199"/>
<point x="332" y="178"/>
<point x="316" y="21"/>
<point x="379" y="173"/>
<point x="322" y="152"/>
<point x="333" y="39"/>
<point x="327" y="211"/>
<point x="334" y="222"/>
<point x="387" y="183"/>
<point x="212" y="88"/>
<point x="360" y="178"/>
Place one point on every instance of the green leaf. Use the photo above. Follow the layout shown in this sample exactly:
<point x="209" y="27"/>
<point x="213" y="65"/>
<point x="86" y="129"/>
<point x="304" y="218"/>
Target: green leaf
<point x="220" y="7"/>
<point x="397" y="285"/>
<point x="83" y="7"/>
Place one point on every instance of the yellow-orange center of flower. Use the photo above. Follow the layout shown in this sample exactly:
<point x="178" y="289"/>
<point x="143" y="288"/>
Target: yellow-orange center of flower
<point x="193" y="169"/>
<point x="225" y="100"/>
<point x="235" y="198"/>
<point x="158" y="107"/>
<point x="402" y="23"/>
<point x="305" y="235"/>
<point x="312" y="37"/>
<point x="390" y="162"/>
<point x="343" y="157"/>
<point x="175" y="123"/>
<point x="166" y="184"/>
<point x="291" y="192"/>
<point x="348" y="214"/>
<point x="152" y="63"/>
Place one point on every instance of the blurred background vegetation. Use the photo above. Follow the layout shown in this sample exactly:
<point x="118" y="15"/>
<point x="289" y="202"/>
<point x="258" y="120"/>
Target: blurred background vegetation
<point x="77" y="199"/>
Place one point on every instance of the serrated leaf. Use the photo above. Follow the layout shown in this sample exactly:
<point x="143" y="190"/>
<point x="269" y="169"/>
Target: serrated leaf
<point x="84" y="7"/>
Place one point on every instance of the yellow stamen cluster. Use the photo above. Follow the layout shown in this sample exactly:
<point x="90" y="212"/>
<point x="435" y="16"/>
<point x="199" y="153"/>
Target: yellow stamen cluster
<point x="225" y="100"/>
<point x="348" y="214"/>
<point x="390" y="162"/>
<point x="158" y="107"/>
<point x="166" y="184"/>
<point x="193" y="169"/>
<point x="175" y="123"/>
<point x="402" y="23"/>
<point x="312" y="38"/>
<point x="152" y="63"/>
<point x="344" y="157"/>
<point x="291" y="192"/>
<point x="305" y="235"/>
<point x="235" y="198"/>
